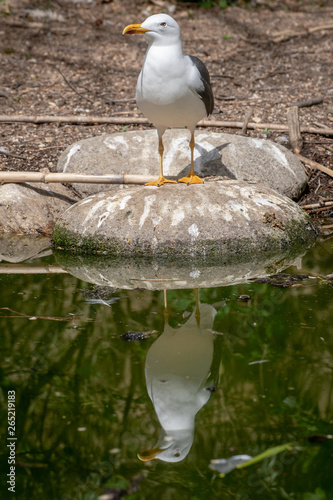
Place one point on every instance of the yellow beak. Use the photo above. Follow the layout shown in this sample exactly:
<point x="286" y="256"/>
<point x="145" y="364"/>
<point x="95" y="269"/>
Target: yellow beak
<point x="147" y="455"/>
<point x="134" y="29"/>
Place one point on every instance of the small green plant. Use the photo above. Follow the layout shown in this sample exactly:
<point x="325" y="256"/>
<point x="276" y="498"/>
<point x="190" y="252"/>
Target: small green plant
<point x="206" y="4"/>
<point x="267" y="130"/>
<point x="227" y="37"/>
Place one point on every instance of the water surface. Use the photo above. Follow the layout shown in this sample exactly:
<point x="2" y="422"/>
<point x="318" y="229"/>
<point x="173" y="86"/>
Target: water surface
<point x="245" y="375"/>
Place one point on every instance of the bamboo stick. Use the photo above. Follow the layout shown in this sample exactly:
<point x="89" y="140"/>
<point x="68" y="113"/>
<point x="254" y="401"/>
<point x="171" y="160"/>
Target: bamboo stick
<point x="117" y="120"/>
<point x="93" y="120"/>
<point x="20" y="177"/>
<point x="61" y="177"/>
<point x="31" y="269"/>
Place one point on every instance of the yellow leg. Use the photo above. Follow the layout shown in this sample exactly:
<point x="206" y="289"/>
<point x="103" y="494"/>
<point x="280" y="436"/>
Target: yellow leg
<point x="192" y="178"/>
<point x="197" y="308"/>
<point x="161" y="180"/>
<point x="166" y="310"/>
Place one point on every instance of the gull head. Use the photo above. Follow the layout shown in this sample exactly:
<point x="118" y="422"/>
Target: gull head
<point x="172" y="446"/>
<point x="159" y="29"/>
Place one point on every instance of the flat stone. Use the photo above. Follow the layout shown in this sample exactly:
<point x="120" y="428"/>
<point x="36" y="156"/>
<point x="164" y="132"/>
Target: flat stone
<point x="32" y="208"/>
<point x="216" y="154"/>
<point x="229" y="220"/>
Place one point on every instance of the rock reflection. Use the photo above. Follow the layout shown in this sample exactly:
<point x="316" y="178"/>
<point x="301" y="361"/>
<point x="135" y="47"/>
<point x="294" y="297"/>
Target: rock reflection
<point x="179" y="380"/>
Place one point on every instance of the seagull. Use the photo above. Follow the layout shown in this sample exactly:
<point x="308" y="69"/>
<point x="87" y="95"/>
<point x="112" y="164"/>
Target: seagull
<point x="173" y="88"/>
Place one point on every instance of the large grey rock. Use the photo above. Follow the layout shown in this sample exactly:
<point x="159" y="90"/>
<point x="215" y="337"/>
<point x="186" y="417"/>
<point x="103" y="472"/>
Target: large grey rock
<point x="233" y="156"/>
<point x="229" y="220"/>
<point x="32" y="208"/>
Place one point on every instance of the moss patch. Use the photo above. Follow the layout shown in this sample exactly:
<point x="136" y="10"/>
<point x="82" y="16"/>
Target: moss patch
<point x="295" y="233"/>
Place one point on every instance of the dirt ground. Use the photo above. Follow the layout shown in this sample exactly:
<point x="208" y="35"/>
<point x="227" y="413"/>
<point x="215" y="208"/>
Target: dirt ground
<point x="68" y="57"/>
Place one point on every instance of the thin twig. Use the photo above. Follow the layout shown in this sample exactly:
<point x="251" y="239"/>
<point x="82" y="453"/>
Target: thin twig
<point x="50" y="147"/>
<point x="327" y="148"/>
<point x="13" y="155"/>
<point x="320" y="125"/>
<point x="318" y="187"/>
<point x="226" y="98"/>
<point x="155" y="279"/>
<point x="30" y="316"/>
<point x="222" y="76"/>
<point x="118" y="101"/>
<point x="270" y="74"/>
<point x="71" y="86"/>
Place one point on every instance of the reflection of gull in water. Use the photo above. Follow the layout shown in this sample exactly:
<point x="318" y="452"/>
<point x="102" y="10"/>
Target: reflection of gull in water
<point x="177" y="370"/>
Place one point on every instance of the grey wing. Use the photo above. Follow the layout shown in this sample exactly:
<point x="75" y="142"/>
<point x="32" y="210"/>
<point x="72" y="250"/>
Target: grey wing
<point x="206" y="94"/>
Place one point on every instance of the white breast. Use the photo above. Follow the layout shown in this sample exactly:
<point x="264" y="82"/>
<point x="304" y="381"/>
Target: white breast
<point x="165" y="92"/>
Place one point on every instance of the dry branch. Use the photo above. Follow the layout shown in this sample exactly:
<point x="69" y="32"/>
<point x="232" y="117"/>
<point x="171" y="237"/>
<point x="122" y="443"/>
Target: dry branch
<point x="93" y="120"/>
<point x="314" y="164"/>
<point x="281" y="36"/>
<point x="323" y="27"/>
<point x="294" y="129"/>
<point x="321" y="209"/>
<point x="262" y="126"/>
<point x="246" y="121"/>
<point x="308" y="103"/>
<point x="322" y="204"/>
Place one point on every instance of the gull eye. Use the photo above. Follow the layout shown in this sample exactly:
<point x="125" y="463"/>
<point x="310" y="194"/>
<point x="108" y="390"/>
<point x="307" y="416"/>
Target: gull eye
<point x="163" y="25"/>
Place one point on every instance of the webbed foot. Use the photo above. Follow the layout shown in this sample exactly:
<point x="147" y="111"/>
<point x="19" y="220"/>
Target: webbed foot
<point x="160" y="181"/>
<point x="191" y="179"/>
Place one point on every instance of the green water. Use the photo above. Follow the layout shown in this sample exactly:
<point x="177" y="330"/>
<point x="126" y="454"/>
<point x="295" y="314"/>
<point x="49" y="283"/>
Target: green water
<point x="258" y="373"/>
